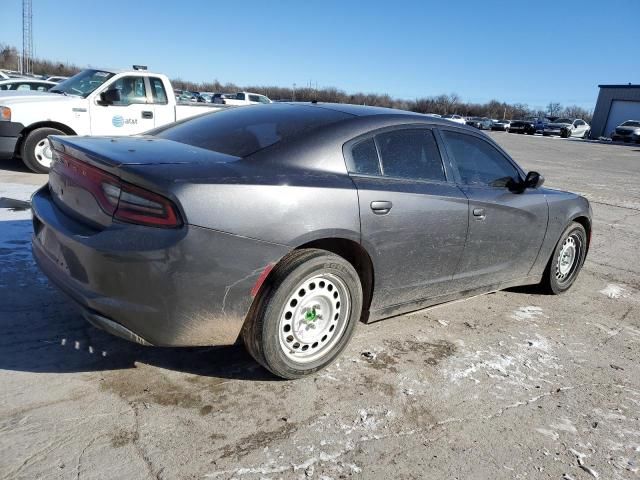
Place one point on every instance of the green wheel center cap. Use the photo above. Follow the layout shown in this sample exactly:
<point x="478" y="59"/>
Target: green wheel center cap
<point x="311" y="315"/>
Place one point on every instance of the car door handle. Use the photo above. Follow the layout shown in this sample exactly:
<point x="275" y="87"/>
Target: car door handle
<point x="147" y="114"/>
<point x="479" y="213"/>
<point x="381" y="207"/>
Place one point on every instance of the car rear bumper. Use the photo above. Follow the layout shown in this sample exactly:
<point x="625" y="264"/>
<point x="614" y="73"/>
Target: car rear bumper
<point x="9" y="135"/>
<point x="185" y="287"/>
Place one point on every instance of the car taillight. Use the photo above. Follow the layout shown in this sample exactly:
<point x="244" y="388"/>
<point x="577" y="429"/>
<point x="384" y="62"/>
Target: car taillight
<point x="122" y="200"/>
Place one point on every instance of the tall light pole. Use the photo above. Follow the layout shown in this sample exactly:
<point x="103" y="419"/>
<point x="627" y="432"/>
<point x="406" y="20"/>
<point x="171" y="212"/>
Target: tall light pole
<point x="27" y="37"/>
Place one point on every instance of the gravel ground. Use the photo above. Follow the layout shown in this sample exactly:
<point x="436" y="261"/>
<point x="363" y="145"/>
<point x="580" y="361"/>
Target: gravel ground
<point x="508" y="385"/>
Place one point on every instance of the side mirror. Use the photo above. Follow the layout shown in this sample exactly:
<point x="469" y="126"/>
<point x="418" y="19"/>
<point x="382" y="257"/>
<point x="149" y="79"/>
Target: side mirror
<point x="533" y="180"/>
<point x="109" y="97"/>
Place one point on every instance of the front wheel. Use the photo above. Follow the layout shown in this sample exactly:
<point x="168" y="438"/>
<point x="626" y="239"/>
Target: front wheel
<point x="567" y="260"/>
<point x="36" y="151"/>
<point x="305" y="315"/>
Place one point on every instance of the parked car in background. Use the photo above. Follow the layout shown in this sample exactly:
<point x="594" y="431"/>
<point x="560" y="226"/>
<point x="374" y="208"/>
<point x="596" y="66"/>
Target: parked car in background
<point x="241" y="98"/>
<point x="176" y="238"/>
<point x="56" y="79"/>
<point x="528" y="126"/>
<point x="628" y="131"/>
<point x="502" y="125"/>
<point x="455" y="118"/>
<point x="568" y="127"/>
<point x="481" y="123"/>
<point x="7" y="74"/>
<point x="28" y="84"/>
<point x="207" y="96"/>
<point x="93" y="102"/>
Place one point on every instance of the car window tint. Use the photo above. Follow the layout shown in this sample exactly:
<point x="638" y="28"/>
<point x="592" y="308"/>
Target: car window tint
<point x="158" y="92"/>
<point x="410" y="154"/>
<point x="240" y="96"/>
<point x="243" y="131"/>
<point x="479" y="163"/>
<point x="254" y="98"/>
<point x="364" y="158"/>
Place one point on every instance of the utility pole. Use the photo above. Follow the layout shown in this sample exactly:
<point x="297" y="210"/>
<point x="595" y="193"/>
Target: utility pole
<point x="26" y="63"/>
<point x="294" y="91"/>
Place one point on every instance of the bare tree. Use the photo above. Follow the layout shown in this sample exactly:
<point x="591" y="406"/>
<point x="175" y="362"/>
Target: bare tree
<point x="554" y="109"/>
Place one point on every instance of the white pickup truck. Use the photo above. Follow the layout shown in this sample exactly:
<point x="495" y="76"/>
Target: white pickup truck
<point x="93" y="102"/>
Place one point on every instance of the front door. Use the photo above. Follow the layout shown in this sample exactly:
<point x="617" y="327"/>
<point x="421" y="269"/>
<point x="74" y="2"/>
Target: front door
<point x="131" y="115"/>
<point x="413" y="220"/>
<point x="506" y="229"/>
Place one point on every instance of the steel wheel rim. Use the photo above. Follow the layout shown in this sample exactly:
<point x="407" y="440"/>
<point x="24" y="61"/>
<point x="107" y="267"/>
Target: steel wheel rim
<point x="42" y="152"/>
<point x="568" y="258"/>
<point x="314" y="318"/>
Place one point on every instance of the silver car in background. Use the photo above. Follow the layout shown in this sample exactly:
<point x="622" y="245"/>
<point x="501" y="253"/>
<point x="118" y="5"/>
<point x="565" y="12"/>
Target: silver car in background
<point x="567" y="127"/>
<point x="628" y="131"/>
<point x="282" y="226"/>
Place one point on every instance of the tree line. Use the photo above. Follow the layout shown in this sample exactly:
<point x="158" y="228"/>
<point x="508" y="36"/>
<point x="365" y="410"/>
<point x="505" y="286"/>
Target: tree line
<point x="443" y="104"/>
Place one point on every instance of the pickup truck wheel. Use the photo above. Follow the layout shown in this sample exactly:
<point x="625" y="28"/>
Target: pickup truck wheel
<point x="36" y="151"/>
<point x="567" y="260"/>
<point x="305" y="315"/>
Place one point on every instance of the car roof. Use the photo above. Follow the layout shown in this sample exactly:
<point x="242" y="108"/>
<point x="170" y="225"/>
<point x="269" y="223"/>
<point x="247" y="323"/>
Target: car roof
<point x="26" y="79"/>
<point x="362" y="111"/>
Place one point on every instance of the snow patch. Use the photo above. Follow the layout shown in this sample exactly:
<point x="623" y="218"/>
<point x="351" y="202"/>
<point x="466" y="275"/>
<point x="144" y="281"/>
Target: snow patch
<point x="528" y="313"/>
<point x="614" y="291"/>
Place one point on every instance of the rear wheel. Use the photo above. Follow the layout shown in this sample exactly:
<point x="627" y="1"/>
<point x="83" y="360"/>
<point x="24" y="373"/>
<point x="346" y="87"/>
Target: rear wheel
<point x="36" y="151"/>
<point x="567" y="260"/>
<point x="305" y="315"/>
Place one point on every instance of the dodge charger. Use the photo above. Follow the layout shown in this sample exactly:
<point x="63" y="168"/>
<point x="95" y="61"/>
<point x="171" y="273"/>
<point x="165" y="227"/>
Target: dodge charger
<point x="283" y="226"/>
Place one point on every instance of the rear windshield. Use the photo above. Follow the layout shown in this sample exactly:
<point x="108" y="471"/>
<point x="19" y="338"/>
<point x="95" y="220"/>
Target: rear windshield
<point x="245" y="130"/>
<point x="630" y="123"/>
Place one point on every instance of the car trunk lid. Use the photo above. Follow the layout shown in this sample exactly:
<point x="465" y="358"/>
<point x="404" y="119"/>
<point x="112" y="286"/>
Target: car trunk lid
<point x="89" y="175"/>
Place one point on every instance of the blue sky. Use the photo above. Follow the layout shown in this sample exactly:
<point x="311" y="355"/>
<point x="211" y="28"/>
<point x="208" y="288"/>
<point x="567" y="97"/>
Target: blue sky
<point x="530" y="52"/>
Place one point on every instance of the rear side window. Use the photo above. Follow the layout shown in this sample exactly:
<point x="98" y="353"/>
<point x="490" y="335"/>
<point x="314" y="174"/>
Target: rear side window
<point x="479" y="163"/>
<point x="254" y="98"/>
<point x="411" y="154"/>
<point x="364" y="157"/>
<point x="243" y="131"/>
<point x="157" y="91"/>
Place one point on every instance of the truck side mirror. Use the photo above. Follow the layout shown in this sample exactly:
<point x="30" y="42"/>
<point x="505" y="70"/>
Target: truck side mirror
<point x="109" y="97"/>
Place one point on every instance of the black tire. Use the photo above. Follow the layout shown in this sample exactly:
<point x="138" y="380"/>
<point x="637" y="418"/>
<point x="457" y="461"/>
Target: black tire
<point x="565" y="133"/>
<point x="33" y="161"/>
<point x="586" y="135"/>
<point x="555" y="280"/>
<point x="262" y="330"/>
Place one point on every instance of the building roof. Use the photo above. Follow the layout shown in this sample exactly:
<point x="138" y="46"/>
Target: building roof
<point x="625" y="85"/>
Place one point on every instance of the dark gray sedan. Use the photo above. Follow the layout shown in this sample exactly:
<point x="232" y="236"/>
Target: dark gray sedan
<point x="283" y="225"/>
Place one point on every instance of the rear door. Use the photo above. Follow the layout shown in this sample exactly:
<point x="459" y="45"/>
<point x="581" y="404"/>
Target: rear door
<point x="506" y="229"/>
<point x="413" y="217"/>
<point x="163" y="111"/>
<point x="132" y="114"/>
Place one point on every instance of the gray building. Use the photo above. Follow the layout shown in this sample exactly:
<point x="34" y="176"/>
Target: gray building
<point x="616" y="103"/>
